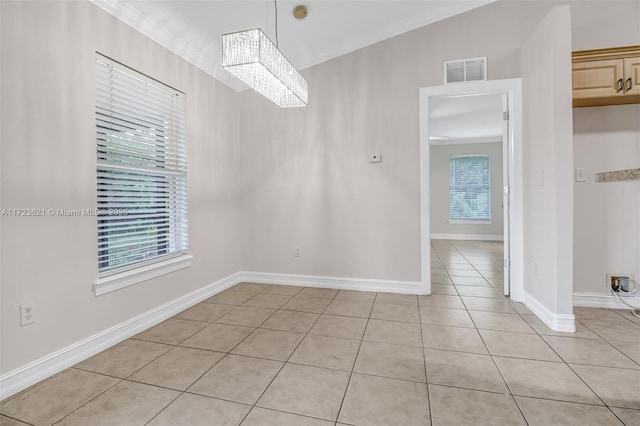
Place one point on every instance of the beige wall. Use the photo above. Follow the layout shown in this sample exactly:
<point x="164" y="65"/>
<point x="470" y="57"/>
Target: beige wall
<point x="356" y="219"/>
<point x="606" y="238"/>
<point x="352" y="218"/>
<point x="607" y="215"/>
<point x="439" y="169"/>
<point x="548" y="161"/>
<point x="48" y="161"/>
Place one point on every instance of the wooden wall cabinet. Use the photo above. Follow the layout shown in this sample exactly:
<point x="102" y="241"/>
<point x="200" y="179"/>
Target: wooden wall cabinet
<point x="606" y="76"/>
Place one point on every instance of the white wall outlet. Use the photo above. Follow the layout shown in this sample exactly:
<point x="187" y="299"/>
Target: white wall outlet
<point x="27" y="314"/>
<point x="298" y="252"/>
<point x="579" y="175"/>
<point x="375" y="158"/>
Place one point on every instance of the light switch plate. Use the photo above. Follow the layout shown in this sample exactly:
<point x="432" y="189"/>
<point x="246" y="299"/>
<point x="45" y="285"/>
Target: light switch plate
<point x="579" y="175"/>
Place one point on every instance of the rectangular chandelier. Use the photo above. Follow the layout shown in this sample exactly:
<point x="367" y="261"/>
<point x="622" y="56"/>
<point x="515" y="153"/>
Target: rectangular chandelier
<point x="254" y="59"/>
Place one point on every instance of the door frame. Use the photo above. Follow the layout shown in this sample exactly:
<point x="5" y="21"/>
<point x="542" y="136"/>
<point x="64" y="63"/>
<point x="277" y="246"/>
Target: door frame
<point x="513" y="88"/>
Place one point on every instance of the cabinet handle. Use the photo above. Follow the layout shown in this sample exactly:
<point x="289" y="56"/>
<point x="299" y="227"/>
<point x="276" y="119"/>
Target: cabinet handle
<point x="629" y="84"/>
<point x="620" y="85"/>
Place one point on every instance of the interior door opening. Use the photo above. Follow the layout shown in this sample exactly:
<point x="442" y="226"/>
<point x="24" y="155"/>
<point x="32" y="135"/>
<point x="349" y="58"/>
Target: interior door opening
<point x="468" y="141"/>
<point x="470" y="180"/>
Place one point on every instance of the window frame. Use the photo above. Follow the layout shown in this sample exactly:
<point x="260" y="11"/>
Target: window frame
<point x="470" y="220"/>
<point x="150" y="182"/>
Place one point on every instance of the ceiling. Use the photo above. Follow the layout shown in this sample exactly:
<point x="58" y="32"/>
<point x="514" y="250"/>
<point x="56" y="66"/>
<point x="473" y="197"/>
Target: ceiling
<point x="192" y="28"/>
<point x="465" y="119"/>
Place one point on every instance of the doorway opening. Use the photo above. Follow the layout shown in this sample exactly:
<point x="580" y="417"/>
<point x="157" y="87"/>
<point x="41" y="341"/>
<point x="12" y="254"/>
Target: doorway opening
<point x="471" y="176"/>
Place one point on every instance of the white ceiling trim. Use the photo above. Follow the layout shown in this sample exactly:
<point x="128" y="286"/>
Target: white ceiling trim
<point x="408" y="17"/>
<point x="131" y="16"/>
<point x="391" y="29"/>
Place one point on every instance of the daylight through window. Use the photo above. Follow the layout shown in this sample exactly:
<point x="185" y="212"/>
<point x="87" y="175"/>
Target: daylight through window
<point x="469" y="188"/>
<point x="141" y="169"/>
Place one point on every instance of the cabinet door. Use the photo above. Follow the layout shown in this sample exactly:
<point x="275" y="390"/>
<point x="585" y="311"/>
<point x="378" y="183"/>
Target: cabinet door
<point x="598" y="79"/>
<point x="632" y="73"/>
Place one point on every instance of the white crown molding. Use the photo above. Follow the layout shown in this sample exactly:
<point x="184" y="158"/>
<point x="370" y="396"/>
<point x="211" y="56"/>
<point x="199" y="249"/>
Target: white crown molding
<point x="390" y="30"/>
<point x="128" y="14"/>
<point x="125" y="11"/>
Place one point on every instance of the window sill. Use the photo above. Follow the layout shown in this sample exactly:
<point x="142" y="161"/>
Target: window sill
<point x="470" y="222"/>
<point x="127" y="278"/>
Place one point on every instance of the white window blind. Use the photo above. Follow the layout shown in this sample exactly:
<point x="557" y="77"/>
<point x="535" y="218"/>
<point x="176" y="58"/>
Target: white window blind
<point x="141" y="169"/>
<point x="469" y="187"/>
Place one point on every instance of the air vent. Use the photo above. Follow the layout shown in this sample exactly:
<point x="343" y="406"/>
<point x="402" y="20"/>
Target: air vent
<point x="461" y="70"/>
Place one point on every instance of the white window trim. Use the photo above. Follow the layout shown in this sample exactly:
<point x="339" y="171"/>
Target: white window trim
<point x="117" y="278"/>
<point x="470" y="222"/>
<point x="128" y="278"/>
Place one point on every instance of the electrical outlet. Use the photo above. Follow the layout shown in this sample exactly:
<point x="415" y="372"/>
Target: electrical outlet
<point x="298" y="253"/>
<point x="27" y="314"/>
<point x="620" y="283"/>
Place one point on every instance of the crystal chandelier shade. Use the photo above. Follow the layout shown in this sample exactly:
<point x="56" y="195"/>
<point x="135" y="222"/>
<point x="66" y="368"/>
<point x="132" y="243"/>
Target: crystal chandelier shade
<point x="254" y="59"/>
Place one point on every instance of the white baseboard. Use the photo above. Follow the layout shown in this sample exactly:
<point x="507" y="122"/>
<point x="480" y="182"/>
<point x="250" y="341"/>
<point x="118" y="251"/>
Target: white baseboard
<point x="32" y="373"/>
<point x="36" y="371"/>
<point x="600" y="300"/>
<point x="361" y="284"/>
<point x="556" y="322"/>
<point x="471" y="237"/>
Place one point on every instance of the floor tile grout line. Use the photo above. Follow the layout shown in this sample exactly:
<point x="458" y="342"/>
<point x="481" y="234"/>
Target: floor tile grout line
<point x="511" y="393"/>
<point x="172" y="346"/>
<point x="180" y="392"/>
<point x="355" y="360"/>
<point x="566" y="401"/>
<point x="229" y="353"/>
<point x="586" y="384"/>
<point x="562" y="360"/>
<point x="567" y="364"/>
<point x="284" y="363"/>
<point x="90" y="400"/>
<point x="424" y="360"/>
<point x="592" y="340"/>
<point x="18" y="420"/>
<point x="616" y="415"/>
<point x="615" y="311"/>
<point x="215" y="363"/>
<point x="164" y="408"/>
<point x="504" y="380"/>
<point x="569" y="337"/>
<point x="536" y="333"/>
<point x="5" y="401"/>
<point x="609" y="342"/>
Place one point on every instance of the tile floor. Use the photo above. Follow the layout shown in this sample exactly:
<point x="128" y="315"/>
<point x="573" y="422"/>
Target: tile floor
<point x="276" y="355"/>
